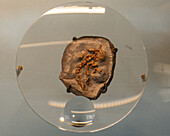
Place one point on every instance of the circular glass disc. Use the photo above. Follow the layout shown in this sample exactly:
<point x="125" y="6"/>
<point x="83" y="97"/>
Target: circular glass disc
<point x="39" y="65"/>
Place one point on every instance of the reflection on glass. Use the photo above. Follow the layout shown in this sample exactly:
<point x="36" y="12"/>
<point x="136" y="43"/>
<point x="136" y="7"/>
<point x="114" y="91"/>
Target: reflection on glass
<point x="44" y="44"/>
<point x="101" y="105"/>
<point x="62" y="119"/>
<point x="76" y="9"/>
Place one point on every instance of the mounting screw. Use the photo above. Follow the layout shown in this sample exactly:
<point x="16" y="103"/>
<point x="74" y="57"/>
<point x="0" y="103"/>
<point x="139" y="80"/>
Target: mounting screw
<point x="143" y="76"/>
<point x="19" y="69"/>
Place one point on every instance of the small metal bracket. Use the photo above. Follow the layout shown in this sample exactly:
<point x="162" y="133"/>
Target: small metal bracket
<point x="18" y="70"/>
<point x="143" y="76"/>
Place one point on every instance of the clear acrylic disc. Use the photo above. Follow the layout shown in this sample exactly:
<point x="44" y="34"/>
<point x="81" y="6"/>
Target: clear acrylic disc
<point x="39" y="64"/>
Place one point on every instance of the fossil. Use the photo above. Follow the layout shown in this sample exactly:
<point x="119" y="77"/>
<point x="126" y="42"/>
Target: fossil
<point x="88" y="66"/>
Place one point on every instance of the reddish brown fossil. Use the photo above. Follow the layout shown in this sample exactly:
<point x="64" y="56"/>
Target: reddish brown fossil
<point x="88" y="65"/>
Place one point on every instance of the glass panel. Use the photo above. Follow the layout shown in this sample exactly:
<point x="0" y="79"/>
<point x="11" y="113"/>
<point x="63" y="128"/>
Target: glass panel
<point x="39" y="65"/>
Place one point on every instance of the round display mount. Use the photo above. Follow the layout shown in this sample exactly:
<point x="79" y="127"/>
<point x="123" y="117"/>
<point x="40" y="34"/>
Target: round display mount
<point x="39" y="58"/>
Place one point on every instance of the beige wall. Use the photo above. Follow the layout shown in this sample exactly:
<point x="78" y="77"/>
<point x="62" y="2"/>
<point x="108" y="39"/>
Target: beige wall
<point x="151" y="116"/>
